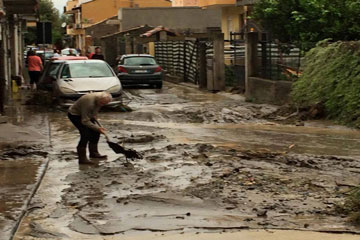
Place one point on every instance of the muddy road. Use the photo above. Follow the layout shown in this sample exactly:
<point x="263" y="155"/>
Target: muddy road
<point x="212" y="163"/>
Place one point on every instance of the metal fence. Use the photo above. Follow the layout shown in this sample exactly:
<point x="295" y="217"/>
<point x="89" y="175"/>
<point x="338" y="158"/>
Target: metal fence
<point x="278" y="62"/>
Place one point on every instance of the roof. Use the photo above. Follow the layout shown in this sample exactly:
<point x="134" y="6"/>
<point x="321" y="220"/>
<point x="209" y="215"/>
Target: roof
<point x="128" y="30"/>
<point x="137" y="55"/>
<point x="69" y="58"/>
<point x="84" y="60"/>
<point x="156" y="30"/>
<point x="103" y="21"/>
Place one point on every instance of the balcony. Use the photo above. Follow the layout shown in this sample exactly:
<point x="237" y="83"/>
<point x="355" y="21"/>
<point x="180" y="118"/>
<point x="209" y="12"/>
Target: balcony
<point x="20" y="6"/>
<point x="208" y="3"/>
<point x="245" y="2"/>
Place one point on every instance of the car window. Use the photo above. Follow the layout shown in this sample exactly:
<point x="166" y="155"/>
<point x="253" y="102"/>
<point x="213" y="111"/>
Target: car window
<point x="136" y="61"/>
<point x="86" y="70"/>
<point x="53" y="69"/>
<point x="65" y="73"/>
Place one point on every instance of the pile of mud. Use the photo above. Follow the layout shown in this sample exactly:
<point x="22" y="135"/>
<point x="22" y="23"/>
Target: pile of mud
<point x="8" y="152"/>
<point x="206" y="187"/>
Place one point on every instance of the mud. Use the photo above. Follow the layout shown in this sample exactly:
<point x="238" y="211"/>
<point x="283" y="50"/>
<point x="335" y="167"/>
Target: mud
<point x="212" y="163"/>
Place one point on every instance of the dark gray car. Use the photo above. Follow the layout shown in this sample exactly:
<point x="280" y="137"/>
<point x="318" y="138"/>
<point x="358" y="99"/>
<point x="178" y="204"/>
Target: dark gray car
<point x="139" y="69"/>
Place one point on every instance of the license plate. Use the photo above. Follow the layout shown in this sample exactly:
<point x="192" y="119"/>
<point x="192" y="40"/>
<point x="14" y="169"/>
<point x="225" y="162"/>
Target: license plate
<point x="141" y="71"/>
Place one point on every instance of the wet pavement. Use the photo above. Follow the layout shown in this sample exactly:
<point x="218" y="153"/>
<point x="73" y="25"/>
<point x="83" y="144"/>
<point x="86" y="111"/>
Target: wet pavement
<point x="212" y="163"/>
<point x="24" y="143"/>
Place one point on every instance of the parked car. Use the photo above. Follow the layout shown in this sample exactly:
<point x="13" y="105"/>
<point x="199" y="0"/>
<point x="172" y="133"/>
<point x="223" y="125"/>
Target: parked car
<point x="73" y="78"/>
<point x="139" y="69"/>
<point x="51" y="69"/>
<point x="45" y="55"/>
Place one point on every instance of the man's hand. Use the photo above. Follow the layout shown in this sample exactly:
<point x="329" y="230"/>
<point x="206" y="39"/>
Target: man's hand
<point x="102" y="130"/>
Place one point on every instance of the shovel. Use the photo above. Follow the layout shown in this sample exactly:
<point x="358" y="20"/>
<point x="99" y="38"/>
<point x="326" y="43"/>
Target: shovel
<point x="117" y="148"/>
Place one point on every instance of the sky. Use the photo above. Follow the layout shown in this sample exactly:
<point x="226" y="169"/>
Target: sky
<point x="60" y="4"/>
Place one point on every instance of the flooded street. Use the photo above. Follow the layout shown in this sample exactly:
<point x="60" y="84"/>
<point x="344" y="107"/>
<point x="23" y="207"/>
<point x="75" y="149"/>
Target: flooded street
<point x="212" y="163"/>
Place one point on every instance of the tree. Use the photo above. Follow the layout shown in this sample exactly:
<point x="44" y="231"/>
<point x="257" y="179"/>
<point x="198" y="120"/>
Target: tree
<point x="48" y="13"/>
<point x="305" y="22"/>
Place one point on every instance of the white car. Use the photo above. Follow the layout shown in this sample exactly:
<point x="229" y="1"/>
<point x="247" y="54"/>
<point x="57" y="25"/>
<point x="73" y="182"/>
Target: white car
<point x="75" y="78"/>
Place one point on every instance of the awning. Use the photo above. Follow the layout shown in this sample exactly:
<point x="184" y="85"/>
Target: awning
<point x="20" y="6"/>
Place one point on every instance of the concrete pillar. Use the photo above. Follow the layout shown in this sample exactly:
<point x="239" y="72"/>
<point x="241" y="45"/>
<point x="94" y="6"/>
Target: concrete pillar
<point x="251" y="59"/>
<point x="2" y="70"/>
<point x="13" y="46"/>
<point x="4" y="65"/>
<point x="21" y="48"/>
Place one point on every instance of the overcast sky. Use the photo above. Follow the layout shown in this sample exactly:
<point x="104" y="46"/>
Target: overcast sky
<point x="60" y="4"/>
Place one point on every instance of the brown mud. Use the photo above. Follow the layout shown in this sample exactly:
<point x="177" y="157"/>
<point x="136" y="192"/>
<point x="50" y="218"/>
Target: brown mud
<point x="212" y="163"/>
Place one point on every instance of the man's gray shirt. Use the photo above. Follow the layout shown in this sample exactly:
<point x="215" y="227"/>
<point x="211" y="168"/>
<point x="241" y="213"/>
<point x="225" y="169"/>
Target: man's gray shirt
<point x="87" y="107"/>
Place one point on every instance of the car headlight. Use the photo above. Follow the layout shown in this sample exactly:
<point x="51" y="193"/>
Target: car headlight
<point x="67" y="90"/>
<point x="114" y="89"/>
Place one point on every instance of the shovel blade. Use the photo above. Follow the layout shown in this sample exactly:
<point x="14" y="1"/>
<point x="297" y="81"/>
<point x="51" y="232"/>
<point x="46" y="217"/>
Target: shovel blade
<point x="116" y="147"/>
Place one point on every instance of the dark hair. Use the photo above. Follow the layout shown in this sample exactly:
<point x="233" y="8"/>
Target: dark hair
<point x="97" y="48"/>
<point x="31" y="53"/>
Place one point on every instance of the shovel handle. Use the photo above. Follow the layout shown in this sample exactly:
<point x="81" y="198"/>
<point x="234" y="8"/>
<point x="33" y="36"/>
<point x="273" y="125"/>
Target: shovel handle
<point x="106" y="136"/>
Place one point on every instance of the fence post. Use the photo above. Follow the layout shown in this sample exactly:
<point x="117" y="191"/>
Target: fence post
<point x="202" y="65"/>
<point x="219" y="62"/>
<point x="251" y="58"/>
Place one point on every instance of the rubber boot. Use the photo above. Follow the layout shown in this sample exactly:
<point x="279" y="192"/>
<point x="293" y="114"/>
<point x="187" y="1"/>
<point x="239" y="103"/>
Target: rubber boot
<point x="81" y="151"/>
<point x="94" y="153"/>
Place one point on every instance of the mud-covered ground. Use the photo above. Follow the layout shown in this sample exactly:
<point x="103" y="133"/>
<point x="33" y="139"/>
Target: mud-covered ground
<point x="212" y="162"/>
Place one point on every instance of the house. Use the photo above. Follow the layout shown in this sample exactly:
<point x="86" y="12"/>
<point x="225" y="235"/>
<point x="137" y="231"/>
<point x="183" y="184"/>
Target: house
<point x="233" y="17"/>
<point x="14" y="15"/>
<point x="84" y="13"/>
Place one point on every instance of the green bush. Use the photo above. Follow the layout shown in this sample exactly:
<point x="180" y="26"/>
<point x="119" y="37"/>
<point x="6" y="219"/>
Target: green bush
<point x="229" y="76"/>
<point x="331" y="77"/>
<point x="351" y="206"/>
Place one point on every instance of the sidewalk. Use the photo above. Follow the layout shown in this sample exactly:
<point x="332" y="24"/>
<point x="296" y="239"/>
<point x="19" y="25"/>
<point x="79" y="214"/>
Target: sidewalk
<point x="23" y="161"/>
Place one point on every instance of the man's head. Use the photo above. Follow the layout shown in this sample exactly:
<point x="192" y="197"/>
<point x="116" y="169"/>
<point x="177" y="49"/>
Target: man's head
<point x="98" y="50"/>
<point x="104" y="98"/>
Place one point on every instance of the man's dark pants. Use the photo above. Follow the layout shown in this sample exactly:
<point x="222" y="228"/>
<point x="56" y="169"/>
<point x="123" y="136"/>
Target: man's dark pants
<point x="86" y="134"/>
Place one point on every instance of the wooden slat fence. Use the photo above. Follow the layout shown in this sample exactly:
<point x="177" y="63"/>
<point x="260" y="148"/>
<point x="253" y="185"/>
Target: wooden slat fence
<point x="179" y="58"/>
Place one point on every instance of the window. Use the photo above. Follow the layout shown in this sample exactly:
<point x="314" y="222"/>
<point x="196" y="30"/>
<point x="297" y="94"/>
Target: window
<point x="53" y="69"/>
<point x="65" y="73"/>
<point x="136" y="61"/>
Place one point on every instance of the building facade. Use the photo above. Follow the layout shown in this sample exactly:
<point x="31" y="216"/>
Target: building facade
<point x="84" y="13"/>
<point x="233" y="17"/>
<point x="14" y="15"/>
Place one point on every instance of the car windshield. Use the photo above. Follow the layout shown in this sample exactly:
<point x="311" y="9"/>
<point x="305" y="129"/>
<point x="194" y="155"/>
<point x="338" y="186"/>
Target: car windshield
<point x="136" y="61"/>
<point x="49" y="55"/>
<point x="86" y="70"/>
<point x="67" y="51"/>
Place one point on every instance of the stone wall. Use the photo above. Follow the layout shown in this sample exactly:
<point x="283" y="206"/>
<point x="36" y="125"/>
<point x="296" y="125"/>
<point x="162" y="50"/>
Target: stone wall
<point x="268" y="91"/>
